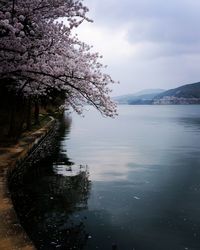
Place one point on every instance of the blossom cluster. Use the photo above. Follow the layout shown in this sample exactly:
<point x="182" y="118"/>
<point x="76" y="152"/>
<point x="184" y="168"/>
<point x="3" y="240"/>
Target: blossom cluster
<point x="39" y="54"/>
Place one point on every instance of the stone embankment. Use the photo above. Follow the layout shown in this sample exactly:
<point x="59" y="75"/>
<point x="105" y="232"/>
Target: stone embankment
<point x="12" y="235"/>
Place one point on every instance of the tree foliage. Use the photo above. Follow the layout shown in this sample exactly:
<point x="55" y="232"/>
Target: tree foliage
<point x="39" y="55"/>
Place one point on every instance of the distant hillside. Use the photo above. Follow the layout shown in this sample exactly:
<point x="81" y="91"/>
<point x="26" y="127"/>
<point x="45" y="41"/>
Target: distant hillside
<point x="141" y="97"/>
<point x="186" y="94"/>
<point x="149" y="91"/>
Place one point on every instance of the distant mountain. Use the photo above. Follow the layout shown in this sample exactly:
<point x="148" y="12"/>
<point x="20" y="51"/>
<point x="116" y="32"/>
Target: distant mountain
<point x="149" y="91"/>
<point x="142" y="97"/>
<point x="186" y="94"/>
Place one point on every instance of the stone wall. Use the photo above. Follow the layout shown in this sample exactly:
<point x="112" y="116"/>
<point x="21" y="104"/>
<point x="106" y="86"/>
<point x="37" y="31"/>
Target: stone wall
<point x="12" y="235"/>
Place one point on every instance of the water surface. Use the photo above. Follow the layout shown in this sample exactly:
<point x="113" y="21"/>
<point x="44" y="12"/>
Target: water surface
<point x="127" y="183"/>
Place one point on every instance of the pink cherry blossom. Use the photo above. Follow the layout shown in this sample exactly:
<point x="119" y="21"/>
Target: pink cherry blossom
<point x="39" y="54"/>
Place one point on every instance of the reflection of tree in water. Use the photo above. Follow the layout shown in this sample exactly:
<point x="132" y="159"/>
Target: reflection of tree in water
<point x="48" y="203"/>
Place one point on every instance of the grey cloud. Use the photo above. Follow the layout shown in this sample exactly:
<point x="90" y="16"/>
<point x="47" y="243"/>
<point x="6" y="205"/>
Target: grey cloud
<point x="159" y="21"/>
<point x="169" y="34"/>
<point x="108" y="11"/>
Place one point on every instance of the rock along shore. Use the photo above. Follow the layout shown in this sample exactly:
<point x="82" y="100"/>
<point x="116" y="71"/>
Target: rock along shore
<point x="12" y="235"/>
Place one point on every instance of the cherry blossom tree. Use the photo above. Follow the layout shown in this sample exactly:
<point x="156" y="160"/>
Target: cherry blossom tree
<point x="39" y="55"/>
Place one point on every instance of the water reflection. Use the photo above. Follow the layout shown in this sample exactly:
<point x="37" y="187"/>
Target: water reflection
<point x="47" y="194"/>
<point x="145" y="171"/>
<point x="191" y="122"/>
<point x="145" y="174"/>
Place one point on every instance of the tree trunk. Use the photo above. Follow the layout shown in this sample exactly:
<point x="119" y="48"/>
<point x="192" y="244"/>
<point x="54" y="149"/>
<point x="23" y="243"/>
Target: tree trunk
<point x="28" y="116"/>
<point x="36" y="113"/>
<point x="12" y="123"/>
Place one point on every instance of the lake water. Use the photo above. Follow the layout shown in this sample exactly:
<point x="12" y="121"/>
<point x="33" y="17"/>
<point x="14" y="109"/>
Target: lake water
<point x="130" y="183"/>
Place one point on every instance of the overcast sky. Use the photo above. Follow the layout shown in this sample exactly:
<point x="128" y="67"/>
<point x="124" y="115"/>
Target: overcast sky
<point x="146" y="43"/>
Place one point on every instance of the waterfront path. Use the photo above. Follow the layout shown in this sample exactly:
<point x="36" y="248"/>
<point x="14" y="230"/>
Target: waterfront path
<point x="12" y="235"/>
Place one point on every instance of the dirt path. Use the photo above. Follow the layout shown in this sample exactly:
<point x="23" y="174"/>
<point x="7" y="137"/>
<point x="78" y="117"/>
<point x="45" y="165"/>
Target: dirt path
<point x="12" y="235"/>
